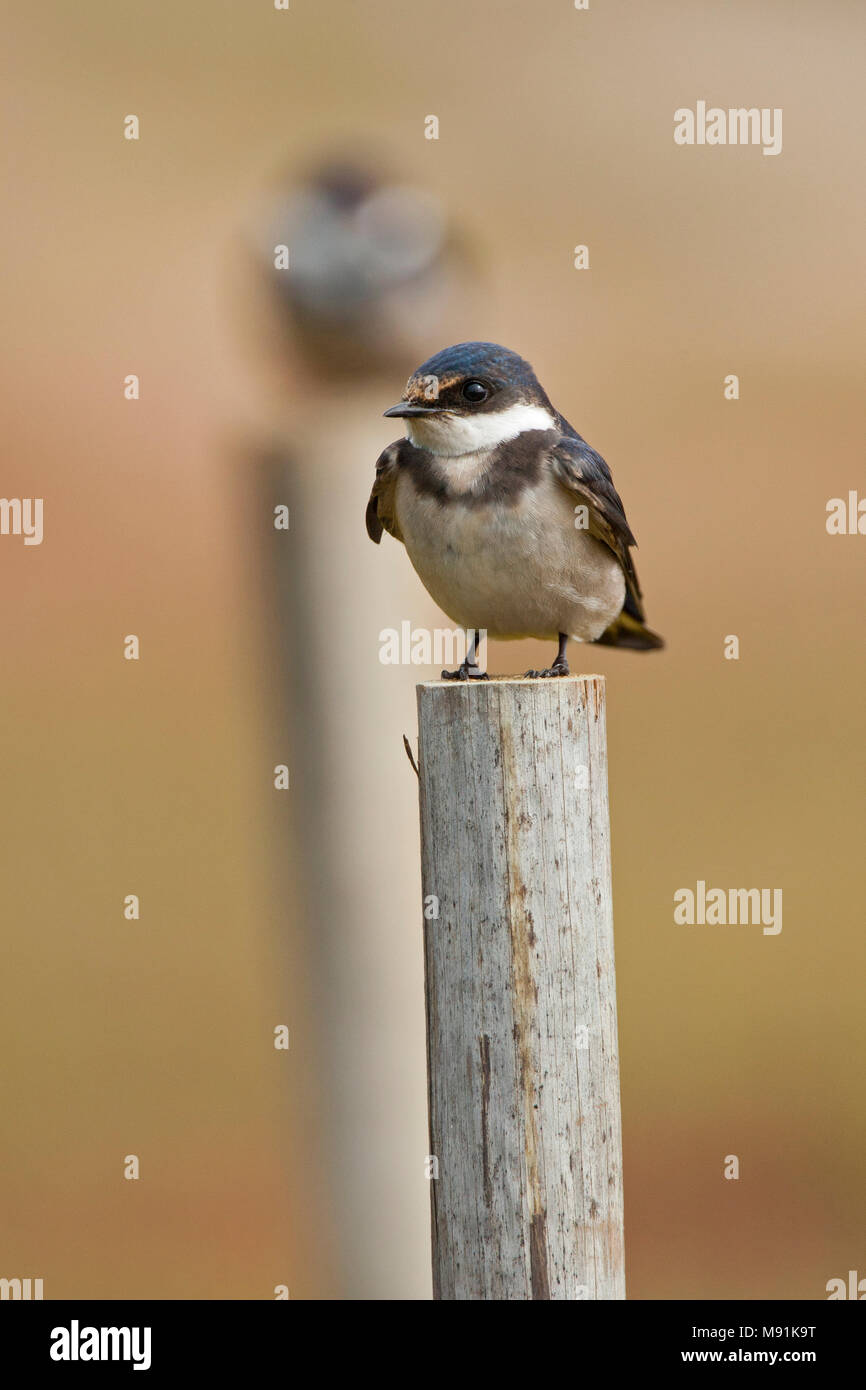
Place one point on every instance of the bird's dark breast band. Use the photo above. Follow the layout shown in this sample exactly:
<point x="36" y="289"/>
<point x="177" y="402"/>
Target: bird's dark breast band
<point x="514" y="467"/>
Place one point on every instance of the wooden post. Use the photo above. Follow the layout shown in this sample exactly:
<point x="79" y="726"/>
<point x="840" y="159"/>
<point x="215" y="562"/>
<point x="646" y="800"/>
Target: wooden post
<point x="522" y="1054"/>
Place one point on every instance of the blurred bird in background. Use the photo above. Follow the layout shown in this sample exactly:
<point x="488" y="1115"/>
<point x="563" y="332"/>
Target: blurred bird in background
<point x="370" y="262"/>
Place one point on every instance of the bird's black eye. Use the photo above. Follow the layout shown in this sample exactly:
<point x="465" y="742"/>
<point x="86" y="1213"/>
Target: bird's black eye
<point x="475" y="392"/>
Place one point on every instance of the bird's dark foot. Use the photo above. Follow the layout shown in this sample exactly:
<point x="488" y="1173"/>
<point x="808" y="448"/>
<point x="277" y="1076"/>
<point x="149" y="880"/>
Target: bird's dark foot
<point x="560" y="665"/>
<point x="467" y="671"/>
<point x="559" y="668"/>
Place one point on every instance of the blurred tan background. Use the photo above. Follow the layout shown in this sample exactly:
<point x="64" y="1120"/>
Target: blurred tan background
<point x="155" y="777"/>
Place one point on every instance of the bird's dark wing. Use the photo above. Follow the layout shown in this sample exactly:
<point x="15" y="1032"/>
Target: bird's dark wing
<point x="381" y="513"/>
<point x="584" y="474"/>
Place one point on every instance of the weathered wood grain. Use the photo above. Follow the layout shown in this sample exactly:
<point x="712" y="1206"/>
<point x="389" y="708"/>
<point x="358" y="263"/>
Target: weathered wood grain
<point x="521" y="995"/>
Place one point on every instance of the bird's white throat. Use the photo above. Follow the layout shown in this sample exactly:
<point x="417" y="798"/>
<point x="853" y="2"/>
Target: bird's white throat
<point x="456" y="435"/>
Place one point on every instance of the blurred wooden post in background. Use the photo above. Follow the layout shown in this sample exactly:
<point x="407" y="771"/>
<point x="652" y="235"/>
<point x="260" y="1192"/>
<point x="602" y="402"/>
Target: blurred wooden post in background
<point x="523" y="1063"/>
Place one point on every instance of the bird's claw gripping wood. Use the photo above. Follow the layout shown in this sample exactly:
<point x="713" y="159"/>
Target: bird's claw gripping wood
<point x="559" y="668"/>
<point x="466" y="671"/>
<point x="560" y="665"/>
<point x="468" y="668"/>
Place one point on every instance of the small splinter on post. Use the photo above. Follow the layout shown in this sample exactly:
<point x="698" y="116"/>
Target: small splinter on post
<point x="410" y="756"/>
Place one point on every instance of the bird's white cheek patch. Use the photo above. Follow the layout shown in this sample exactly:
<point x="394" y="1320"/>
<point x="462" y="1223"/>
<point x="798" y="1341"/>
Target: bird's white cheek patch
<point x="453" y="435"/>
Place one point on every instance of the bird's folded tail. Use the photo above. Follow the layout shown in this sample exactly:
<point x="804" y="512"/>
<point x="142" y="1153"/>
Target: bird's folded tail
<point x="627" y="631"/>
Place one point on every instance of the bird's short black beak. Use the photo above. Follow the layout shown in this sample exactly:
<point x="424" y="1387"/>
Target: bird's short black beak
<point x="405" y="412"/>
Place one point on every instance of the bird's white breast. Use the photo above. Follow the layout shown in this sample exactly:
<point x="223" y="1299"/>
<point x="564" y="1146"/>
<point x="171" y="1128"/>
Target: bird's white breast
<point x="518" y="568"/>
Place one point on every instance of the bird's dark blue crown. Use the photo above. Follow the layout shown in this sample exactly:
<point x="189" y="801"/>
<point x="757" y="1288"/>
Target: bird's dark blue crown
<point x="486" y="360"/>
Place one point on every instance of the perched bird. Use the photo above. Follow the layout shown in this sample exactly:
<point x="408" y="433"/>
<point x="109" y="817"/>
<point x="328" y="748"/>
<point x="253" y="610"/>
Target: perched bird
<point x="510" y="519"/>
